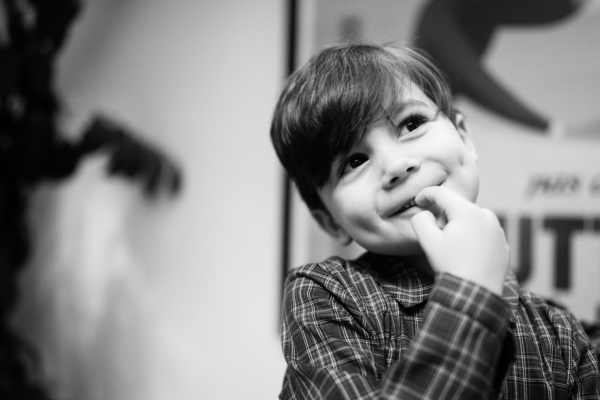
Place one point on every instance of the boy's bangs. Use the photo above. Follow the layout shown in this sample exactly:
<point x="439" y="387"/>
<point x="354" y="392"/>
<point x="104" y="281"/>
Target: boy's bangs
<point x="365" y="95"/>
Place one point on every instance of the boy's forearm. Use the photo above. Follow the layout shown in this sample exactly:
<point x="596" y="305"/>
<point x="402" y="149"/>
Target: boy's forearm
<point x="464" y="348"/>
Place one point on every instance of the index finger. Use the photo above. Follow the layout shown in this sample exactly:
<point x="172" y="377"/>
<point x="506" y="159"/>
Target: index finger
<point x="446" y="199"/>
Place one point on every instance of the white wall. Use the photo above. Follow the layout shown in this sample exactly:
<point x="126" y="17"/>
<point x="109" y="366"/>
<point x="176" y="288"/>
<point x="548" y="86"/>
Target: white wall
<point x="189" y="309"/>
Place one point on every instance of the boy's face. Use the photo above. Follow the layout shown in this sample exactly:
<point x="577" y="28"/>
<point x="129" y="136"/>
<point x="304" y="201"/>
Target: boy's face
<point x="370" y="190"/>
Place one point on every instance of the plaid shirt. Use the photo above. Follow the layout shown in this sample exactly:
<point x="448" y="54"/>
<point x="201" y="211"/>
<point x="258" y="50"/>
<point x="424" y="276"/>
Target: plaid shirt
<point x="373" y="328"/>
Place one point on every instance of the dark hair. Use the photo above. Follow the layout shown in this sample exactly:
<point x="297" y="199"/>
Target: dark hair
<point x="327" y="106"/>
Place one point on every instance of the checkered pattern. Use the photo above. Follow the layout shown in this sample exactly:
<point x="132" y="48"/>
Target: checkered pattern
<point x="374" y="328"/>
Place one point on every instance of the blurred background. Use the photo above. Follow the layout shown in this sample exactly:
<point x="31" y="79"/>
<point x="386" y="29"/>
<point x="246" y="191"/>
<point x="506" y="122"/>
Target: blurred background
<point x="174" y="292"/>
<point x="173" y="296"/>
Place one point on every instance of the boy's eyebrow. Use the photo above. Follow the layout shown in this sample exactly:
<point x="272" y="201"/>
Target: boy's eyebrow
<point x="401" y="105"/>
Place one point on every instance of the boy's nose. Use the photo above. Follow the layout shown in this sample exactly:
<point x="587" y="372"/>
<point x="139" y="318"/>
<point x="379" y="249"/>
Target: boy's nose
<point x="397" y="170"/>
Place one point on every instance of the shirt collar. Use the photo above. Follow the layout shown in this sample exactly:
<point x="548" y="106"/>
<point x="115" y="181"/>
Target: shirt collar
<point x="405" y="283"/>
<point x="411" y="287"/>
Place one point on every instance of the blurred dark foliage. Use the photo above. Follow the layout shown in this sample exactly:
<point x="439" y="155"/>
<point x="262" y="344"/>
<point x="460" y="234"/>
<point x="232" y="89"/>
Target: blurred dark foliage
<point x="32" y="150"/>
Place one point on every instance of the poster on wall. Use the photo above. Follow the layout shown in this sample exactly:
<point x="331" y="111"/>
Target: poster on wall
<point x="528" y="82"/>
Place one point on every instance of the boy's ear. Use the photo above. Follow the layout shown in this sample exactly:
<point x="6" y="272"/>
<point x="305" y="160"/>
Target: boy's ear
<point x="461" y="127"/>
<point x="329" y="225"/>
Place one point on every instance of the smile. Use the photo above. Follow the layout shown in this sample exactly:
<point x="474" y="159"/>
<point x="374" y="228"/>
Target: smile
<point x="406" y="206"/>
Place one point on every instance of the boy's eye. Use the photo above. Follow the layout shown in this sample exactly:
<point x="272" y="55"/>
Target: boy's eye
<point x="356" y="161"/>
<point x="353" y="162"/>
<point x="411" y="123"/>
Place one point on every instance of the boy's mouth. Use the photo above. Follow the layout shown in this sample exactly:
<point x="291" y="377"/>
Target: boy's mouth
<point x="406" y="206"/>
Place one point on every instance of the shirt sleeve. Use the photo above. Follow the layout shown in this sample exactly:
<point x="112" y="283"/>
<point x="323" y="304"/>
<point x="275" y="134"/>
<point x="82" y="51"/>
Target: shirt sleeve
<point x="455" y="355"/>
<point x="583" y="375"/>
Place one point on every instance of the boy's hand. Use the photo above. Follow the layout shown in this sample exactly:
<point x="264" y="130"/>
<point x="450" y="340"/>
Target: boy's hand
<point x="470" y="244"/>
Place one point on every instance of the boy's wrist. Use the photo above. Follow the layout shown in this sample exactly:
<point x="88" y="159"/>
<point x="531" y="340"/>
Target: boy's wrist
<point x="472" y="299"/>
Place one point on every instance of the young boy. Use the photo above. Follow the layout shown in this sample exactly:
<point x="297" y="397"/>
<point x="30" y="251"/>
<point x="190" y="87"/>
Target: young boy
<point x="371" y="139"/>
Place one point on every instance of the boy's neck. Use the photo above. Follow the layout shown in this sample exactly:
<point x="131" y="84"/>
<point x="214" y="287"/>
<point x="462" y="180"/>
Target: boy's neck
<point x="417" y="261"/>
<point x="420" y="262"/>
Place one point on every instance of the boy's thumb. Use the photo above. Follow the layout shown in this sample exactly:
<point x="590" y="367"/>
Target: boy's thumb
<point x="425" y="227"/>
